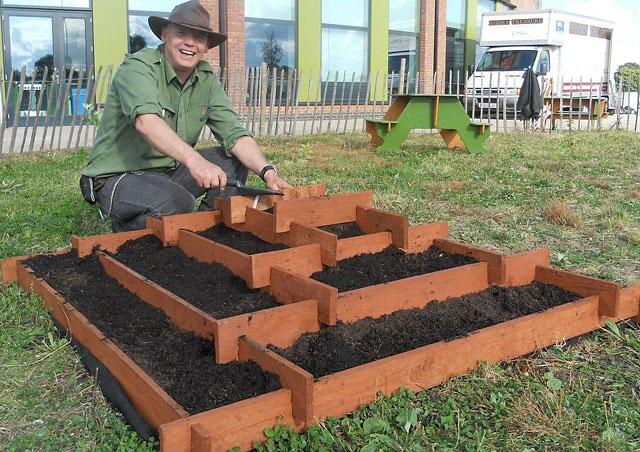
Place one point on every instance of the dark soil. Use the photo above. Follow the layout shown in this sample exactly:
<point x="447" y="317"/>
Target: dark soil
<point x="210" y="287"/>
<point x="388" y="265"/>
<point x="180" y="362"/>
<point x="344" y="346"/>
<point x="241" y="241"/>
<point x="344" y="230"/>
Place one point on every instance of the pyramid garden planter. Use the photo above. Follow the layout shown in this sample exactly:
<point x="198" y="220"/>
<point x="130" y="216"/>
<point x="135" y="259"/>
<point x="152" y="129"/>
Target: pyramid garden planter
<point x="262" y="338"/>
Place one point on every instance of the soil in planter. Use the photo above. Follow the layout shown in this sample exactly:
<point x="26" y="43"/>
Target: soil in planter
<point x="344" y="346"/>
<point x="210" y="287"/>
<point x="344" y="230"/>
<point x="388" y="265"/>
<point x="241" y="241"/>
<point x="180" y="362"/>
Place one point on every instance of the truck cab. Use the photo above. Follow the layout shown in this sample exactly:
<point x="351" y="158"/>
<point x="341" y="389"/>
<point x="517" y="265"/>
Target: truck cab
<point x="570" y="53"/>
<point x="495" y="83"/>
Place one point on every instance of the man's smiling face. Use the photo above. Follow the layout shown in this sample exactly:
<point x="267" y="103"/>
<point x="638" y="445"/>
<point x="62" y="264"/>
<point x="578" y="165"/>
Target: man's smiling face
<point x="184" y="48"/>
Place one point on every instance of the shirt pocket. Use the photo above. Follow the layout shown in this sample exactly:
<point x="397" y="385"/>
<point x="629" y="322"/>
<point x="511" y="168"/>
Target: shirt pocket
<point x="168" y="113"/>
<point x="197" y="118"/>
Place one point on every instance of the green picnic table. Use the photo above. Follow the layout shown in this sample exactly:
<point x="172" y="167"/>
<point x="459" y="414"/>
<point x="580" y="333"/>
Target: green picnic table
<point x="428" y="111"/>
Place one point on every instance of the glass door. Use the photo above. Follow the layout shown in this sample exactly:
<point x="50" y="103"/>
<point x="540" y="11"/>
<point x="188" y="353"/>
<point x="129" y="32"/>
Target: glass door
<point x="59" y="41"/>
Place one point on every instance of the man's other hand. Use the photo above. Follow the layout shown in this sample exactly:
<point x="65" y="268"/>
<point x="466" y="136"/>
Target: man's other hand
<point x="206" y="173"/>
<point x="275" y="182"/>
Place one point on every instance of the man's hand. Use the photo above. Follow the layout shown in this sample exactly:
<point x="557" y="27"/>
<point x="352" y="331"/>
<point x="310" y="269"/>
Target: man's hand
<point x="206" y="173"/>
<point x="275" y="182"/>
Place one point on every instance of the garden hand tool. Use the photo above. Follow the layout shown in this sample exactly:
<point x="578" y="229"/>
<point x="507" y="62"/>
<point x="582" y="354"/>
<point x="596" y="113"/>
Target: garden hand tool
<point x="251" y="191"/>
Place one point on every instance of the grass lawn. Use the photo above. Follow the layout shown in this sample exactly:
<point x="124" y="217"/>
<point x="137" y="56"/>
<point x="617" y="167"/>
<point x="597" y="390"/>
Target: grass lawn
<point x="578" y="194"/>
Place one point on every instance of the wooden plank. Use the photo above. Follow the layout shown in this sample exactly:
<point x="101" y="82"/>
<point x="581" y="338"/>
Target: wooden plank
<point x="289" y="287"/>
<point x="364" y="244"/>
<point x="235" y="425"/>
<point x="340" y="208"/>
<point x="414" y="292"/>
<point x="629" y="302"/>
<point x="520" y="268"/>
<point x="9" y="265"/>
<point x="181" y="313"/>
<point x="233" y="209"/>
<point x="374" y="220"/>
<point x="303" y="191"/>
<point x="292" y="377"/>
<point x="303" y="260"/>
<point x="609" y="292"/>
<point x="167" y="228"/>
<point x="105" y="242"/>
<point x="205" y="250"/>
<point x="266" y="327"/>
<point x="305" y="235"/>
<point x="201" y="439"/>
<point x="495" y="260"/>
<point x="426" y="367"/>
<point x="155" y="405"/>
<point x="422" y="237"/>
<point x="261" y="224"/>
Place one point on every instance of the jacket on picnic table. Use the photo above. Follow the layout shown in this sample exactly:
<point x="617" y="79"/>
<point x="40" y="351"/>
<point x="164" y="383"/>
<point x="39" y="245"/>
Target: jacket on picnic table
<point x="146" y="83"/>
<point x="530" y="101"/>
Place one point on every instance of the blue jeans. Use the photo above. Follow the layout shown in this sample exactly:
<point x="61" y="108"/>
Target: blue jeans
<point x="129" y="198"/>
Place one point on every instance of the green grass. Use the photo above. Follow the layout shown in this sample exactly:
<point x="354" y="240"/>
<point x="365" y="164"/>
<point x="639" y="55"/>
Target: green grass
<point x="578" y="194"/>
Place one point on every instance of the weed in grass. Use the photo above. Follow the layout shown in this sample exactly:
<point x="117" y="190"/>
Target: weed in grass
<point x="559" y="212"/>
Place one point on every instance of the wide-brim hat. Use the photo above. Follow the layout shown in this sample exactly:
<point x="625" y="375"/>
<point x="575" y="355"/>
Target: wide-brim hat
<point x="192" y="15"/>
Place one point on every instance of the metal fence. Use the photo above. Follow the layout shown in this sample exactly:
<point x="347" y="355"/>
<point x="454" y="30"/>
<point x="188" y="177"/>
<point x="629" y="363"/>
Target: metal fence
<point x="62" y="110"/>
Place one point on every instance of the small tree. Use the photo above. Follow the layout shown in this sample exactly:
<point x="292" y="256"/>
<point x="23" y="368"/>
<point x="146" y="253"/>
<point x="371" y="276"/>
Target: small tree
<point x="627" y="77"/>
<point x="136" y="42"/>
<point x="271" y="50"/>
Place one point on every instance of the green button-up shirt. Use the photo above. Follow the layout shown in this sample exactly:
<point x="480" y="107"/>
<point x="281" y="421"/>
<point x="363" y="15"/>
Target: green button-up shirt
<point x="146" y="83"/>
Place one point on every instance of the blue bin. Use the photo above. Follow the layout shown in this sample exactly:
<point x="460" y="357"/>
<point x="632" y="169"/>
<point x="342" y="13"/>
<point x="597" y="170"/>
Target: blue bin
<point x="77" y="109"/>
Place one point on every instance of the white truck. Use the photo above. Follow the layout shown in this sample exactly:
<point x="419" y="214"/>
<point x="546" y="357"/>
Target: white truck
<point x="571" y="53"/>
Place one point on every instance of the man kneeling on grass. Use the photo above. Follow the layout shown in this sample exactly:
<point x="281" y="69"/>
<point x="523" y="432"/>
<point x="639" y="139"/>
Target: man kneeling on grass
<point x="143" y="162"/>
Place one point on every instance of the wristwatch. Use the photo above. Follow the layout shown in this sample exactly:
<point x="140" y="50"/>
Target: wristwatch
<point x="264" y="170"/>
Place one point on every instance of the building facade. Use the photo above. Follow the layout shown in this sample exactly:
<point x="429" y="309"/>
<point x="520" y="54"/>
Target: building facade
<point x="316" y="37"/>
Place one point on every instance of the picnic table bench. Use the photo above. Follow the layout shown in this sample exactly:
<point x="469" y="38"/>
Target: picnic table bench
<point x="427" y="111"/>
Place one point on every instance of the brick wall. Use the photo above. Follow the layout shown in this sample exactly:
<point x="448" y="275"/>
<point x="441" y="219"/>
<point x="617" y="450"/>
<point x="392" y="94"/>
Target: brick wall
<point x="426" y="42"/>
<point x="234" y="45"/>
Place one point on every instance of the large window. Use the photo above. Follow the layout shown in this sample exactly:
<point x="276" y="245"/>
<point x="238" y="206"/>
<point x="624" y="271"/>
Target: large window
<point x="404" y="27"/>
<point x="484" y="6"/>
<point x="345" y="41"/>
<point x="140" y="35"/>
<point x="270" y="33"/>
<point x="49" y="3"/>
<point x="454" y="63"/>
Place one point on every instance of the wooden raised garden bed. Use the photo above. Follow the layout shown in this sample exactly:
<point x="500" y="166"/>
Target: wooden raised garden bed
<point x="302" y="304"/>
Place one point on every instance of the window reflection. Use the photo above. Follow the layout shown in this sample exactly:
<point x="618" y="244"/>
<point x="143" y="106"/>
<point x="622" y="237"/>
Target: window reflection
<point x="153" y="5"/>
<point x="403" y="15"/>
<point x="273" y="9"/>
<point x="140" y="35"/>
<point x="343" y="50"/>
<point x="50" y="3"/>
<point x="75" y="44"/>
<point x="31" y="41"/>
<point x="271" y="43"/>
<point x="353" y="13"/>
<point x="484" y="6"/>
<point x="454" y="60"/>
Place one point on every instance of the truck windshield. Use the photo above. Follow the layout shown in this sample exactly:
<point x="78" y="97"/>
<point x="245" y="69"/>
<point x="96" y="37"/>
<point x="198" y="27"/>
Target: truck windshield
<point x="507" y="60"/>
